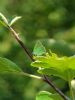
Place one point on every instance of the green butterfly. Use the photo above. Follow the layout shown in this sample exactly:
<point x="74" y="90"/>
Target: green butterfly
<point x="39" y="49"/>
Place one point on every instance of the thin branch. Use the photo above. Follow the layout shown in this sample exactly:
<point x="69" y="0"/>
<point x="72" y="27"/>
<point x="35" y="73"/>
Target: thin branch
<point x="31" y="57"/>
<point x="21" y="43"/>
<point x="55" y="88"/>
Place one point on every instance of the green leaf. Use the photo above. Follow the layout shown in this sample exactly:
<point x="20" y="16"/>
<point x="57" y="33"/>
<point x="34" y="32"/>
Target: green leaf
<point x="4" y="18"/>
<point x="44" y="95"/>
<point x="3" y="23"/>
<point x="14" y="20"/>
<point x="39" y="49"/>
<point x="51" y="64"/>
<point x="8" y="66"/>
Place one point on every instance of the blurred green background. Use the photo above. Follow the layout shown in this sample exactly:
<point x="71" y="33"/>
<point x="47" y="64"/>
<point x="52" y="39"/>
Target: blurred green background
<point x="50" y="21"/>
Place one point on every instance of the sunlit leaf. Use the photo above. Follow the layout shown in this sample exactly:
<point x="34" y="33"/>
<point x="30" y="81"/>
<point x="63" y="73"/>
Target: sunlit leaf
<point x="51" y="64"/>
<point x="44" y="95"/>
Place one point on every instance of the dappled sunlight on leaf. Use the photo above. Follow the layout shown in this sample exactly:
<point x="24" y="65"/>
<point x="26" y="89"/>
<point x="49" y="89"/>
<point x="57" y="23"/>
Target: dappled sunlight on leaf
<point x="51" y="64"/>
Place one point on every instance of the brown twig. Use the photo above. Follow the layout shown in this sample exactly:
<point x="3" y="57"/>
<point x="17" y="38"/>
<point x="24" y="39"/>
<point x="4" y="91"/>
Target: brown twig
<point x="55" y="88"/>
<point x="45" y="78"/>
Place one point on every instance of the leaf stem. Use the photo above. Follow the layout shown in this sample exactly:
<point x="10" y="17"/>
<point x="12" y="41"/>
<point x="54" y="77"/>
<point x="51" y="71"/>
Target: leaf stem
<point x="32" y="76"/>
<point x="23" y="74"/>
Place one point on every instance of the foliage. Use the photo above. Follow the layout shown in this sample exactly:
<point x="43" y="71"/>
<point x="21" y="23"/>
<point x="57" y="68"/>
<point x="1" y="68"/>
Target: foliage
<point x="8" y="66"/>
<point x="51" y="64"/>
<point x="50" y="21"/>
<point x="47" y="96"/>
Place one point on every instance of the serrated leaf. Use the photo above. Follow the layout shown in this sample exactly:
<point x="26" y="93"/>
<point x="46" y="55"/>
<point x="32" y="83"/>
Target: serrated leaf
<point x="8" y="66"/>
<point x="3" y="18"/>
<point x="39" y="49"/>
<point x="44" y="95"/>
<point x="51" y="64"/>
<point x="14" y="20"/>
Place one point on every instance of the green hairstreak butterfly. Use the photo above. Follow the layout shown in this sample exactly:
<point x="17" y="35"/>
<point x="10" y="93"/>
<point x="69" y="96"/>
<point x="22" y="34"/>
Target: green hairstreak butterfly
<point x="39" y="49"/>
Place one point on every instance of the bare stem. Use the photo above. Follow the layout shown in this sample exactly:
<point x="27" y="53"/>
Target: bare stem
<point x="31" y="57"/>
<point x="21" y="43"/>
<point x="55" y="88"/>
